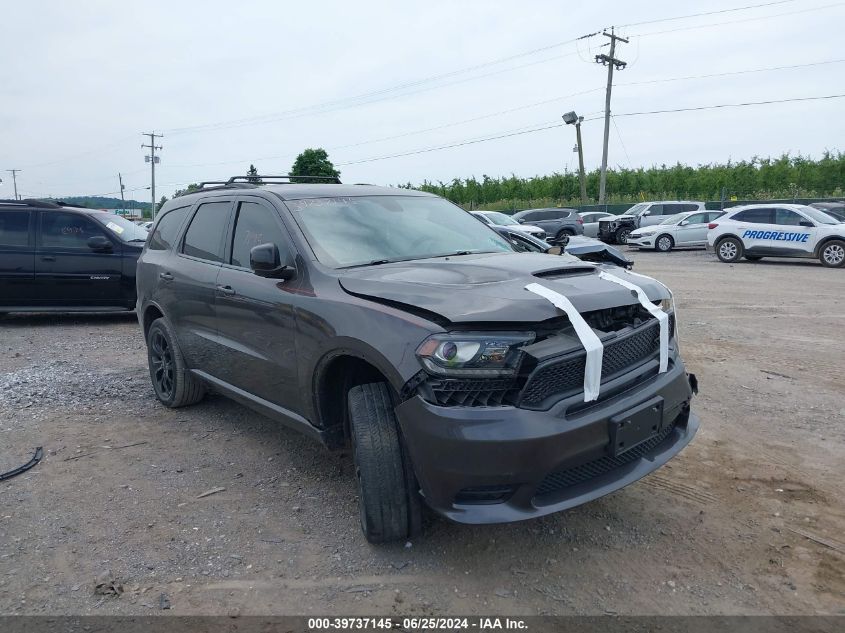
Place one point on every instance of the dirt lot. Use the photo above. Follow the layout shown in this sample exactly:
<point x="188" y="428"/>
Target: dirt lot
<point x="748" y="519"/>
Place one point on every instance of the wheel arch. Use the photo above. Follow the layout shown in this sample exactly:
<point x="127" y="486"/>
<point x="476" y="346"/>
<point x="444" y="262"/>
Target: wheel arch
<point x="151" y="312"/>
<point x="334" y="375"/>
<point x="830" y="238"/>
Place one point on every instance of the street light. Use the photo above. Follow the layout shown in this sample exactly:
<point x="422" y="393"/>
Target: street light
<point x="571" y="118"/>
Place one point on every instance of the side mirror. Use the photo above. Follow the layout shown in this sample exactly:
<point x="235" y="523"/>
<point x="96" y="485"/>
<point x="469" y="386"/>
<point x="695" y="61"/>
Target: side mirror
<point x="99" y="243"/>
<point x="683" y="222"/>
<point x="647" y="212"/>
<point x="265" y="262"/>
<point x="806" y="223"/>
<point x="555" y="250"/>
<point x="521" y="221"/>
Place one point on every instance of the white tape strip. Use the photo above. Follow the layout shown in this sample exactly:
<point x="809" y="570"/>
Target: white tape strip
<point x="659" y="314"/>
<point x="591" y="342"/>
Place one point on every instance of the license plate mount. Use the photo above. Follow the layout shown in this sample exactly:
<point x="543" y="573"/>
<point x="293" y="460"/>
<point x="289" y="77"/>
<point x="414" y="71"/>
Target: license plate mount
<point x="635" y="426"/>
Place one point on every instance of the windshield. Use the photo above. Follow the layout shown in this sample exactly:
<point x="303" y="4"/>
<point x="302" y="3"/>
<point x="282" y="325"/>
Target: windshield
<point x="500" y="218"/>
<point x="356" y="231"/>
<point x="637" y="208"/>
<point x="674" y="219"/>
<point x="121" y="227"/>
<point x="818" y="216"/>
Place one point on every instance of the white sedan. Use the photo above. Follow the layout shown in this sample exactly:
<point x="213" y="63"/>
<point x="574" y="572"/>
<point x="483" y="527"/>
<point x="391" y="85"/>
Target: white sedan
<point x="502" y="219"/>
<point x="688" y="229"/>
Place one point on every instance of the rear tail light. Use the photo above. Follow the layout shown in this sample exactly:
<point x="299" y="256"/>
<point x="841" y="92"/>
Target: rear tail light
<point x="580" y="220"/>
<point x="712" y="225"/>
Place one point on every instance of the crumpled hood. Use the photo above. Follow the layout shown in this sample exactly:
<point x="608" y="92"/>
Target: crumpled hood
<point x="490" y="287"/>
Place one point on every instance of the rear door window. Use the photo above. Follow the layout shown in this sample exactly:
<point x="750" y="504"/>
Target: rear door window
<point x="754" y="216"/>
<point x="167" y="230"/>
<point x="14" y="228"/>
<point x="206" y="234"/>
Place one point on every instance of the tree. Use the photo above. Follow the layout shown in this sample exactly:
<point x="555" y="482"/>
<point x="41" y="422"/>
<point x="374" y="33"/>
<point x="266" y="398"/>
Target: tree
<point x="161" y="203"/>
<point x="189" y="189"/>
<point x="313" y="162"/>
<point x="252" y="174"/>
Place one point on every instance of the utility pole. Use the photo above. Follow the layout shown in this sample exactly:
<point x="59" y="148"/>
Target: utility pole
<point x="152" y="159"/>
<point x="122" y="199"/>
<point x="15" y="180"/>
<point x="611" y="62"/>
<point x="571" y="118"/>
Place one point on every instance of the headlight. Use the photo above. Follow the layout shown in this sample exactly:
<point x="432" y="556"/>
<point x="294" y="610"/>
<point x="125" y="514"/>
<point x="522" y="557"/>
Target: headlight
<point x="647" y="234"/>
<point x="667" y="305"/>
<point x="473" y="354"/>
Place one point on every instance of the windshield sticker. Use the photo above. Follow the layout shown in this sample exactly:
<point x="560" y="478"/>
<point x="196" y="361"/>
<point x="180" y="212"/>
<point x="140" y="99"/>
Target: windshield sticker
<point x="115" y="227"/>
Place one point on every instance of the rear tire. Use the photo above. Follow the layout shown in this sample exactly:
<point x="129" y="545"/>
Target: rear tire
<point x="664" y="243"/>
<point x="173" y="383"/>
<point x="621" y="235"/>
<point x="388" y="497"/>
<point x="729" y="250"/>
<point x="832" y="254"/>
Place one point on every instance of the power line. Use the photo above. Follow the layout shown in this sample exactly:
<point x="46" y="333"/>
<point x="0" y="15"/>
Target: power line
<point x="704" y="13"/>
<point x="731" y="105"/>
<point x="551" y="126"/>
<point x="740" y="21"/>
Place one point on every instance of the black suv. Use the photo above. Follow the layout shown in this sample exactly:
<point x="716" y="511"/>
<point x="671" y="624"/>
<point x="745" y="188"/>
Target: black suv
<point x="55" y="257"/>
<point x="394" y="322"/>
<point x="557" y="223"/>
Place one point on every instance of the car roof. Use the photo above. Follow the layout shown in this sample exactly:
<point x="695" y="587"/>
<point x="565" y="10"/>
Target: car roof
<point x="761" y="205"/>
<point x="45" y="205"/>
<point x="301" y="191"/>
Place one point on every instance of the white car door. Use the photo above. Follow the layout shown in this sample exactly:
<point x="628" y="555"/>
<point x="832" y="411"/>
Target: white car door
<point x="692" y="230"/>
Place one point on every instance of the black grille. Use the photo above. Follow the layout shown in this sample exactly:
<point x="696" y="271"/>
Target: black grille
<point x="567" y="374"/>
<point x="473" y="393"/>
<point x="563" y="479"/>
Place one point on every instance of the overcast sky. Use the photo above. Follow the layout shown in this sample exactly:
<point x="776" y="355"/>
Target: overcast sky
<point x="80" y="81"/>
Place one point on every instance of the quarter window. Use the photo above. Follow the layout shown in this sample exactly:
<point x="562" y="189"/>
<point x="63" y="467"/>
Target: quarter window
<point x="166" y="231"/>
<point x="14" y="228"/>
<point x="66" y="230"/>
<point x="204" y="238"/>
<point x="255" y="226"/>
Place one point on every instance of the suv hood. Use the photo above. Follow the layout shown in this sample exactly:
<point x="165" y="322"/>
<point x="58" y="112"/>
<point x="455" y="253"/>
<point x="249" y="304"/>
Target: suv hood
<point x="490" y="287"/>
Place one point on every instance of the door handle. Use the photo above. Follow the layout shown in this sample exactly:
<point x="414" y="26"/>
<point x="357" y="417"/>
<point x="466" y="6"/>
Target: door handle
<point x="226" y="290"/>
<point x="48" y="258"/>
<point x="166" y="276"/>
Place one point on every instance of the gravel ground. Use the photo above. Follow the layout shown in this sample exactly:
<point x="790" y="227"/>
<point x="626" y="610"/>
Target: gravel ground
<point x="749" y="519"/>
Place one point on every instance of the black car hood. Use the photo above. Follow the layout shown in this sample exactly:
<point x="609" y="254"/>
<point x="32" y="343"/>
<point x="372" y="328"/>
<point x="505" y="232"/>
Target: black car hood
<point x="491" y="287"/>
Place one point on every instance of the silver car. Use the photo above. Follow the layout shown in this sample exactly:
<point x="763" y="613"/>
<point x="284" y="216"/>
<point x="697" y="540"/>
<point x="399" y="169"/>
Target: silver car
<point x="681" y="230"/>
<point x="591" y="222"/>
<point x="502" y="219"/>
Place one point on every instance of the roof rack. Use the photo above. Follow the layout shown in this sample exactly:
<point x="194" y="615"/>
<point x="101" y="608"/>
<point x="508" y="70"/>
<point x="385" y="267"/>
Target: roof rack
<point x="32" y="202"/>
<point x="248" y="182"/>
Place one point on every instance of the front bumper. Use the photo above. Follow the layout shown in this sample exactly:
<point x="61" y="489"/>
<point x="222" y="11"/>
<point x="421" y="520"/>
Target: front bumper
<point x="641" y="241"/>
<point x="607" y="234"/>
<point x="544" y="461"/>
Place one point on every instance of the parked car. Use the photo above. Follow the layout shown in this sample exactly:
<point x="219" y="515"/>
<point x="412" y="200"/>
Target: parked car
<point x="584" y="248"/>
<point x="755" y="231"/>
<point x="615" y="230"/>
<point x="557" y="223"/>
<point x="835" y="210"/>
<point x="56" y="257"/>
<point x="391" y="321"/>
<point x="496" y="218"/>
<point x="591" y="222"/>
<point x="682" y="230"/>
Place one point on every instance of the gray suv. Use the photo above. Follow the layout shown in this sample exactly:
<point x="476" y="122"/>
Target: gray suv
<point x="559" y="224"/>
<point x="394" y="323"/>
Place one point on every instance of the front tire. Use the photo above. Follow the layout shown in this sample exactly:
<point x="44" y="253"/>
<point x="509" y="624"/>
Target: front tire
<point x="173" y="383"/>
<point x="621" y="235"/>
<point x="664" y="243"/>
<point x="563" y="236"/>
<point x="388" y="499"/>
<point x="753" y="258"/>
<point x="729" y="250"/>
<point x="832" y="254"/>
